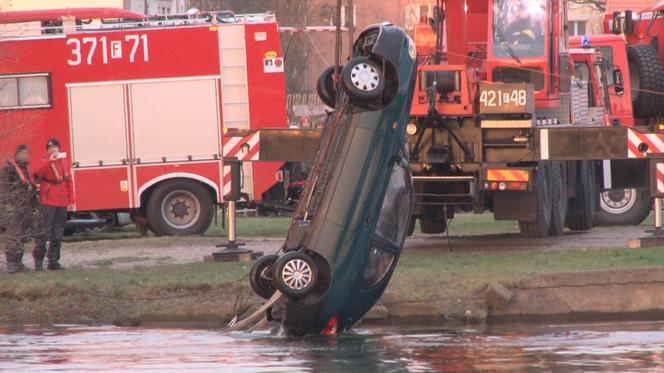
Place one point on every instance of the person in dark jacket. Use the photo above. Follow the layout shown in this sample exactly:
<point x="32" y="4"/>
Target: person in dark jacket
<point x="56" y="196"/>
<point x="19" y="204"/>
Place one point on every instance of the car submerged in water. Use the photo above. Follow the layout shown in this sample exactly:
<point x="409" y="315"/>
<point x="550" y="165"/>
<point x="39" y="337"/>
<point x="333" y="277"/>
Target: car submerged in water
<point x="350" y="224"/>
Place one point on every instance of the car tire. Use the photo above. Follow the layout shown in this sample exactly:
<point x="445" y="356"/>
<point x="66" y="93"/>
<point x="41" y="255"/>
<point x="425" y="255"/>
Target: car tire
<point x="295" y="274"/>
<point x="558" y="183"/>
<point x="583" y="205"/>
<point x="363" y="80"/>
<point x="325" y="87"/>
<point x="411" y="226"/>
<point x="540" y="226"/>
<point x="628" y="206"/>
<point x="180" y="207"/>
<point x="260" y="276"/>
<point x="646" y="74"/>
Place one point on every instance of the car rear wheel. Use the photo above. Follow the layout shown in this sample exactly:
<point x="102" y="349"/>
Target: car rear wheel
<point x="295" y="273"/>
<point x="260" y="276"/>
<point x="180" y="207"/>
<point x="325" y="87"/>
<point x="363" y="80"/>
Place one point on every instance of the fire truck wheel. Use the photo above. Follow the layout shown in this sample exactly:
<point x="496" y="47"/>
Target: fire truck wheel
<point x="260" y="276"/>
<point x="296" y="273"/>
<point x="582" y="207"/>
<point x="180" y="207"/>
<point x="540" y="226"/>
<point x="646" y="75"/>
<point x="325" y="87"/>
<point x="623" y="207"/>
<point x="363" y="80"/>
<point x="558" y="183"/>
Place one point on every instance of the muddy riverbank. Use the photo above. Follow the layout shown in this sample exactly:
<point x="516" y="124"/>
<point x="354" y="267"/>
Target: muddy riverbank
<point x="135" y="281"/>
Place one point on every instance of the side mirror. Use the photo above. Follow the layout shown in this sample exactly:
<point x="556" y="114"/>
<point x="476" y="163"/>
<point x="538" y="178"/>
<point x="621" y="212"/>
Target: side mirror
<point x="615" y="24"/>
<point x="618" y="82"/>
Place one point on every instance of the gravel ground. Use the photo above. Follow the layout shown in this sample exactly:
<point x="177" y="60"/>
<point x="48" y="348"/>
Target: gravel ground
<point x="151" y="251"/>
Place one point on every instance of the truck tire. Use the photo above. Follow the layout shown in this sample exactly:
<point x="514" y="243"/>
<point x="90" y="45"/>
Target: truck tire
<point x="623" y="207"/>
<point x="558" y="183"/>
<point x="433" y="224"/>
<point x="180" y="207"/>
<point x="542" y="224"/>
<point x="646" y="75"/>
<point x="582" y="206"/>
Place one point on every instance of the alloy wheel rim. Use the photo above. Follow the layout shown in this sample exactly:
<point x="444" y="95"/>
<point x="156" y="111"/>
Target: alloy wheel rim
<point x="297" y="274"/>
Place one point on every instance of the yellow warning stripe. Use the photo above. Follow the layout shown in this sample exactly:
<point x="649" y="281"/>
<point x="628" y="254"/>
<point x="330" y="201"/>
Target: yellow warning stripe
<point x="506" y="175"/>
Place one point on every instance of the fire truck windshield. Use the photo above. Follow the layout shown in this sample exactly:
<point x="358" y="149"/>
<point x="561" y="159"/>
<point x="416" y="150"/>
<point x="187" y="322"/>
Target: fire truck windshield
<point x="519" y="28"/>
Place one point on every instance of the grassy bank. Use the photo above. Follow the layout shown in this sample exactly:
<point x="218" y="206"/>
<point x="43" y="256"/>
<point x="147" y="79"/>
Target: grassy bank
<point x="214" y="292"/>
<point x="462" y="224"/>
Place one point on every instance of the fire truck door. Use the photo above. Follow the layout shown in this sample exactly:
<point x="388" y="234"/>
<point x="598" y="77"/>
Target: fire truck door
<point x="98" y="119"/>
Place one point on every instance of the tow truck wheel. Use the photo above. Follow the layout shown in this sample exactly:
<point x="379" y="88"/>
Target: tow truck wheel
<point x="558" y="183"/>
<point x="363" y="79"/>
<point x="325" y="87"/>
<point x="180" y="207"/>
<point x="582" y="207"/>
<point x="623" y="207"/>
<point x="433" y="224"/>
<point x="260" y="276"/>
<point x="540" y="226"/>
<point x="646" y="75"/>
<point x="295" y="273"/>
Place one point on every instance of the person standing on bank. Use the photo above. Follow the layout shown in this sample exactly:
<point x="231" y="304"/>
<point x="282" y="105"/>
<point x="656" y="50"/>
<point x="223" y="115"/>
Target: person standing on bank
<point x="56" y="196"/>
<point x="19" y="205"/>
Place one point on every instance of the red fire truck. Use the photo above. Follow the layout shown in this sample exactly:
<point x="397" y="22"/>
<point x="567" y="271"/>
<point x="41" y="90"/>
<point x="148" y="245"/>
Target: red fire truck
<point x="141" y="105"/>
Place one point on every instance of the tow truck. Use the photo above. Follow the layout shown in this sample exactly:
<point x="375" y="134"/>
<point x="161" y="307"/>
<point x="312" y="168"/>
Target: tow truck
<point x="494" y="125"/>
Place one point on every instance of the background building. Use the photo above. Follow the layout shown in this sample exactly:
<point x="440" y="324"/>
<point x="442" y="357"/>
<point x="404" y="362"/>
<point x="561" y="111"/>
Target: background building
<point x="139" y="6"/>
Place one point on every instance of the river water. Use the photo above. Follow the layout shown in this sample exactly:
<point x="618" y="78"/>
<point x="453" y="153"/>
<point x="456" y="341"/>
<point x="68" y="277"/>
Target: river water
<point x="617" y="347"/>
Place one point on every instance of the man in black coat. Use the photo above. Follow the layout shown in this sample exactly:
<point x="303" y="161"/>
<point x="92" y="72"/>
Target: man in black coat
<point x="18" y="203"/>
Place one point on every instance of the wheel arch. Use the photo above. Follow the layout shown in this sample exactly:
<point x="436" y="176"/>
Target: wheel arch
<point x="146" y="189"/>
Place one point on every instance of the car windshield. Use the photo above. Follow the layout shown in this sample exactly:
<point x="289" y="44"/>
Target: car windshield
<point x="519" y="28"/>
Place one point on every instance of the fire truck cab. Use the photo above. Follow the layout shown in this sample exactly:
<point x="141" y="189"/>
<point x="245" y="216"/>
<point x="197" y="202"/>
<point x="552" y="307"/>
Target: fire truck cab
<point x="141" y="105"/>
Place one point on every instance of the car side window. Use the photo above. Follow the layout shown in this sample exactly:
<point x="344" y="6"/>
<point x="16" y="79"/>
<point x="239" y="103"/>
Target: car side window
<point x="391" y="226"/>
<point x="395" y="210"/>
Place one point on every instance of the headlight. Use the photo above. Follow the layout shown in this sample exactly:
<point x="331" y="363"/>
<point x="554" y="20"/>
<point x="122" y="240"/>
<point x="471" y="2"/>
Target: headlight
<point x="411" y="129"/>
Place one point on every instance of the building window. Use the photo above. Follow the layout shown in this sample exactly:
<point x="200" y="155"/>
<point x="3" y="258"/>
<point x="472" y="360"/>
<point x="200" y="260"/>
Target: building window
<point x="25" y="91"/>
<point x="576" y="28"/>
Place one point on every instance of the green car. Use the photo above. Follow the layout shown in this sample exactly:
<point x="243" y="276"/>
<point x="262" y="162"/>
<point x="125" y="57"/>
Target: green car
<point x="350" y="224"/>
